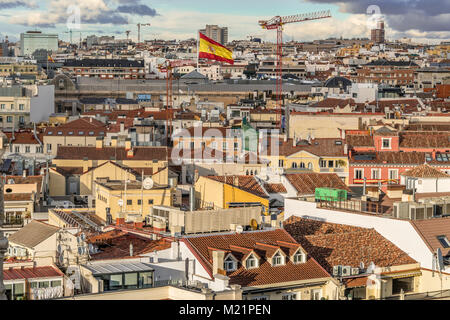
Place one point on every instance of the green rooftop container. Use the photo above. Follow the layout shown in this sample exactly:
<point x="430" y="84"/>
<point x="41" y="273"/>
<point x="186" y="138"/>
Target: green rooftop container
<point x="330" y="194"/>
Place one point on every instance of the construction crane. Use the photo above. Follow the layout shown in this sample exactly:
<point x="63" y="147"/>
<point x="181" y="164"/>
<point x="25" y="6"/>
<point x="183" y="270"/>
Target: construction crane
<point x="277" y="23"/>
<point x="139" y="25"/>
<point x="70" y="32"/>
<point x="168" y="67"/>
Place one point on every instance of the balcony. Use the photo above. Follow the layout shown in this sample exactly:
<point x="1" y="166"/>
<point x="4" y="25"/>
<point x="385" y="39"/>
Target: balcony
<point x="13" y="222"/>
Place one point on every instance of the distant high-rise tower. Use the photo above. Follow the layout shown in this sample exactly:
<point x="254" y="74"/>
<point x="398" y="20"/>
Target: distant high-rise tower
<point x="377" y="35"/>
<point x="216" y="33"/>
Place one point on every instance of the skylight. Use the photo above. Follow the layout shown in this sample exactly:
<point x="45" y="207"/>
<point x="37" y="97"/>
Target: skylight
<point x="444" y="241"/>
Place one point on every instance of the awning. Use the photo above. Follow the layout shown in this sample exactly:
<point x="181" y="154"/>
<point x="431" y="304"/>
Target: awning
<point x="114" y="268"/>
<point x="405" y="274"/>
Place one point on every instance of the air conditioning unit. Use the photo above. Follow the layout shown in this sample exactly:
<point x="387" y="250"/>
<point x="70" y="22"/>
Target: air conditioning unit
<point x="337" y="270"/>
<point x="355" y="271"/>
<point x="346" y="271"/>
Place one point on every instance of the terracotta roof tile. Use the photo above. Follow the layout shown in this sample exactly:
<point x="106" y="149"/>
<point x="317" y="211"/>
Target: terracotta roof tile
<point x="265" y="274"/>
<point x="332" y="244"/>
<point x="430" y="229"/>
<point x="106" y="153"/>
<point x="425" y="171"/>
<point x="306" y="183"/>
<point x="31" y="273"/>
<point x="275" y="188"/>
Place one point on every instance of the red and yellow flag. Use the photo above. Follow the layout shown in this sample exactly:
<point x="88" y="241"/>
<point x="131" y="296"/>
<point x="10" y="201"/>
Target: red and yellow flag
<point x="212" y="50"/>
<point x="49" y="58"/>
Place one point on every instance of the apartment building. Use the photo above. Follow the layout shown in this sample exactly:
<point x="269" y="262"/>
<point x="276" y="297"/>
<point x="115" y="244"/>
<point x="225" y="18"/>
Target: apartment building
<point x="105" y="68"/>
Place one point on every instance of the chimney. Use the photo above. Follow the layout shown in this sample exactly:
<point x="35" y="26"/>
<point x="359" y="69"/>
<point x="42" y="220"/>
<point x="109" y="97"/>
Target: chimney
<point x="155" y="257"/>
<point x="128" y="144"/>
<point x="218" y="260"/>
<point x="131" y="249"/>
<point x="122" y="127"/>
<point x="346" y="149"/>
<point x="99" y="143"/>
<point x="114" y="142"/>
<point x="120" y="221"/>
<point x="130" y="153"/>
<point x="24" y="173"/>
<point x="434" y="154"/>
<point x="192" y="199"/>
<point x="85" y="164"/>
<point x="236" y="181"/>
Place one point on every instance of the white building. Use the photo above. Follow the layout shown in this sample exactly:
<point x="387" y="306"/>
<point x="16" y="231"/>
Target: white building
<point x="35" y="40"/>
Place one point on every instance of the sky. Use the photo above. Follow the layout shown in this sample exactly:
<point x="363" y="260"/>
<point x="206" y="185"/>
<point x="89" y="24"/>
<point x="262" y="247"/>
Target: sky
<point x="424" y="21"/>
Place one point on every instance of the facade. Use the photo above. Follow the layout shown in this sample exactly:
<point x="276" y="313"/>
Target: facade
<point x="35" y="40"/>
<point x="267" y="265"/>
<point x="104" y="69"/>
<point x="398" y="73"/>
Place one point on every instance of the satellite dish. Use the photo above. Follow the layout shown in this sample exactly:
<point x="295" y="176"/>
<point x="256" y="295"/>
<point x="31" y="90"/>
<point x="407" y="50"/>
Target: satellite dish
<point x="66" y="205"/>
<point x="440" y="259"/>
<point x="61" y="258"/>
<point x="59" y="249"/>
<point x="239" y="229"/>
<point x="361" y="265"/>
<point x="120" y="202"/>
<point x="148" y="183"/>
<point x="91" y="248"/>
<point x="254" y="224"/>
<point x="371" y="268"/>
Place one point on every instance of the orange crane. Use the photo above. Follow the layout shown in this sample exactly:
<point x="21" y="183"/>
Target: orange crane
<point x="168" y="67"/>
<point x="277" y="23"/>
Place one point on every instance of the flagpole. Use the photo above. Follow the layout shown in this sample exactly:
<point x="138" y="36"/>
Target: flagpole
<point x="198" y="47"/>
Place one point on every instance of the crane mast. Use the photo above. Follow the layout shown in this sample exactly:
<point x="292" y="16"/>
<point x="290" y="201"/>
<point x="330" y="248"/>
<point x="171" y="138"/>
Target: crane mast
<point x="276" y="23"/>
<point x="168" y="67"/>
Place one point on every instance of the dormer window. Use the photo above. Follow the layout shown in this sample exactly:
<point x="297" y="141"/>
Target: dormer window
<point x="278" y="259"/>
<point x="386" y="144"/>
<point x="251" y="262"/>
<point x="230" y="264"/>
<point x="299" y="257"/>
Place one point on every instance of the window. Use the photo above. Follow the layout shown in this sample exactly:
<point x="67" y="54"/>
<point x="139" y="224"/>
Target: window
<point x="386" y="144"/>
<point x="375" y="174"/>
<point x="393" y="174"/>
<point x="236" y="146"/>
<point x="139" y="202"/>
<point x="310" y="166"/>
<point x="145" y="279"/>
<point x="331" y="164"/>
<point x="131" y="281"/>
<point x="294" y="165"/>
<point x="150" y="201"/>
<point x="322" y="164"/>
<point x="21" y="107"/>
<point x="115" y="282"/>
<point x="358" y="173"/>
<point x="277" y="260"/>
<point x="251" y="262"/>
<point x="302" y="165"/>
<point x="259" y="298"/>
<point x="44" y="284"/>
<point x="9" y="119"/>
<point x="281" y="163"/>
<point x="299" y="257"/>
<point x="16" y="149"/>
<point x="27" y="149"/>
<point x="229" y="264"/>
<point x="192" y="145"/>
<point x="55" y="283"/>
<point x="49" y="147"/>
<point x="444" y="241"/>
<point x="316" y="294"/>
<point x="129" y="202"/>
<point x="289" y="296"/>
<point x="224" y="146"/>
<point x="405" y="284"/>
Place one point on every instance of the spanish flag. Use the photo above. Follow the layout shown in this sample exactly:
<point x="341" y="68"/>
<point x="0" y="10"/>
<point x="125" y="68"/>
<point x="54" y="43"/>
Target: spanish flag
<point x="212" y="50"/>
<point x="49" y="58"/>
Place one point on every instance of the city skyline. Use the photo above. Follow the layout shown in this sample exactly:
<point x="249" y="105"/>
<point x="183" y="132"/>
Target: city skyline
<point x="176" y="19"/>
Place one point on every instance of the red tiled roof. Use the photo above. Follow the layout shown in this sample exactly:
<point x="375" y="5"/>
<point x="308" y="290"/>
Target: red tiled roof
<point x="425" y="171"/>
<point x="31" y="273"/>
<point x="25" y="137"/>
<point x="306" y="183"/>
<point x="106" y="153"/>
<point x="359" y="141"/>
<point x="246" y="183"/>
<point x="275" y="188"/>
<point x="425" y="141"/>
<point x="115" y="244"/>
<point x="264" y="244"/>
<point x="318" y="147"/>
<point x="332" y="244"/>
<point x="430" y="229"/>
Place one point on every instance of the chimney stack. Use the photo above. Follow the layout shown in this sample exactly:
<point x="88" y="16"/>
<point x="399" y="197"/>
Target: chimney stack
<point x="131" y="249"/>
<point x="99" y="143"/>
<point x="218" y="261"/>
<point x="236" y="181"/>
